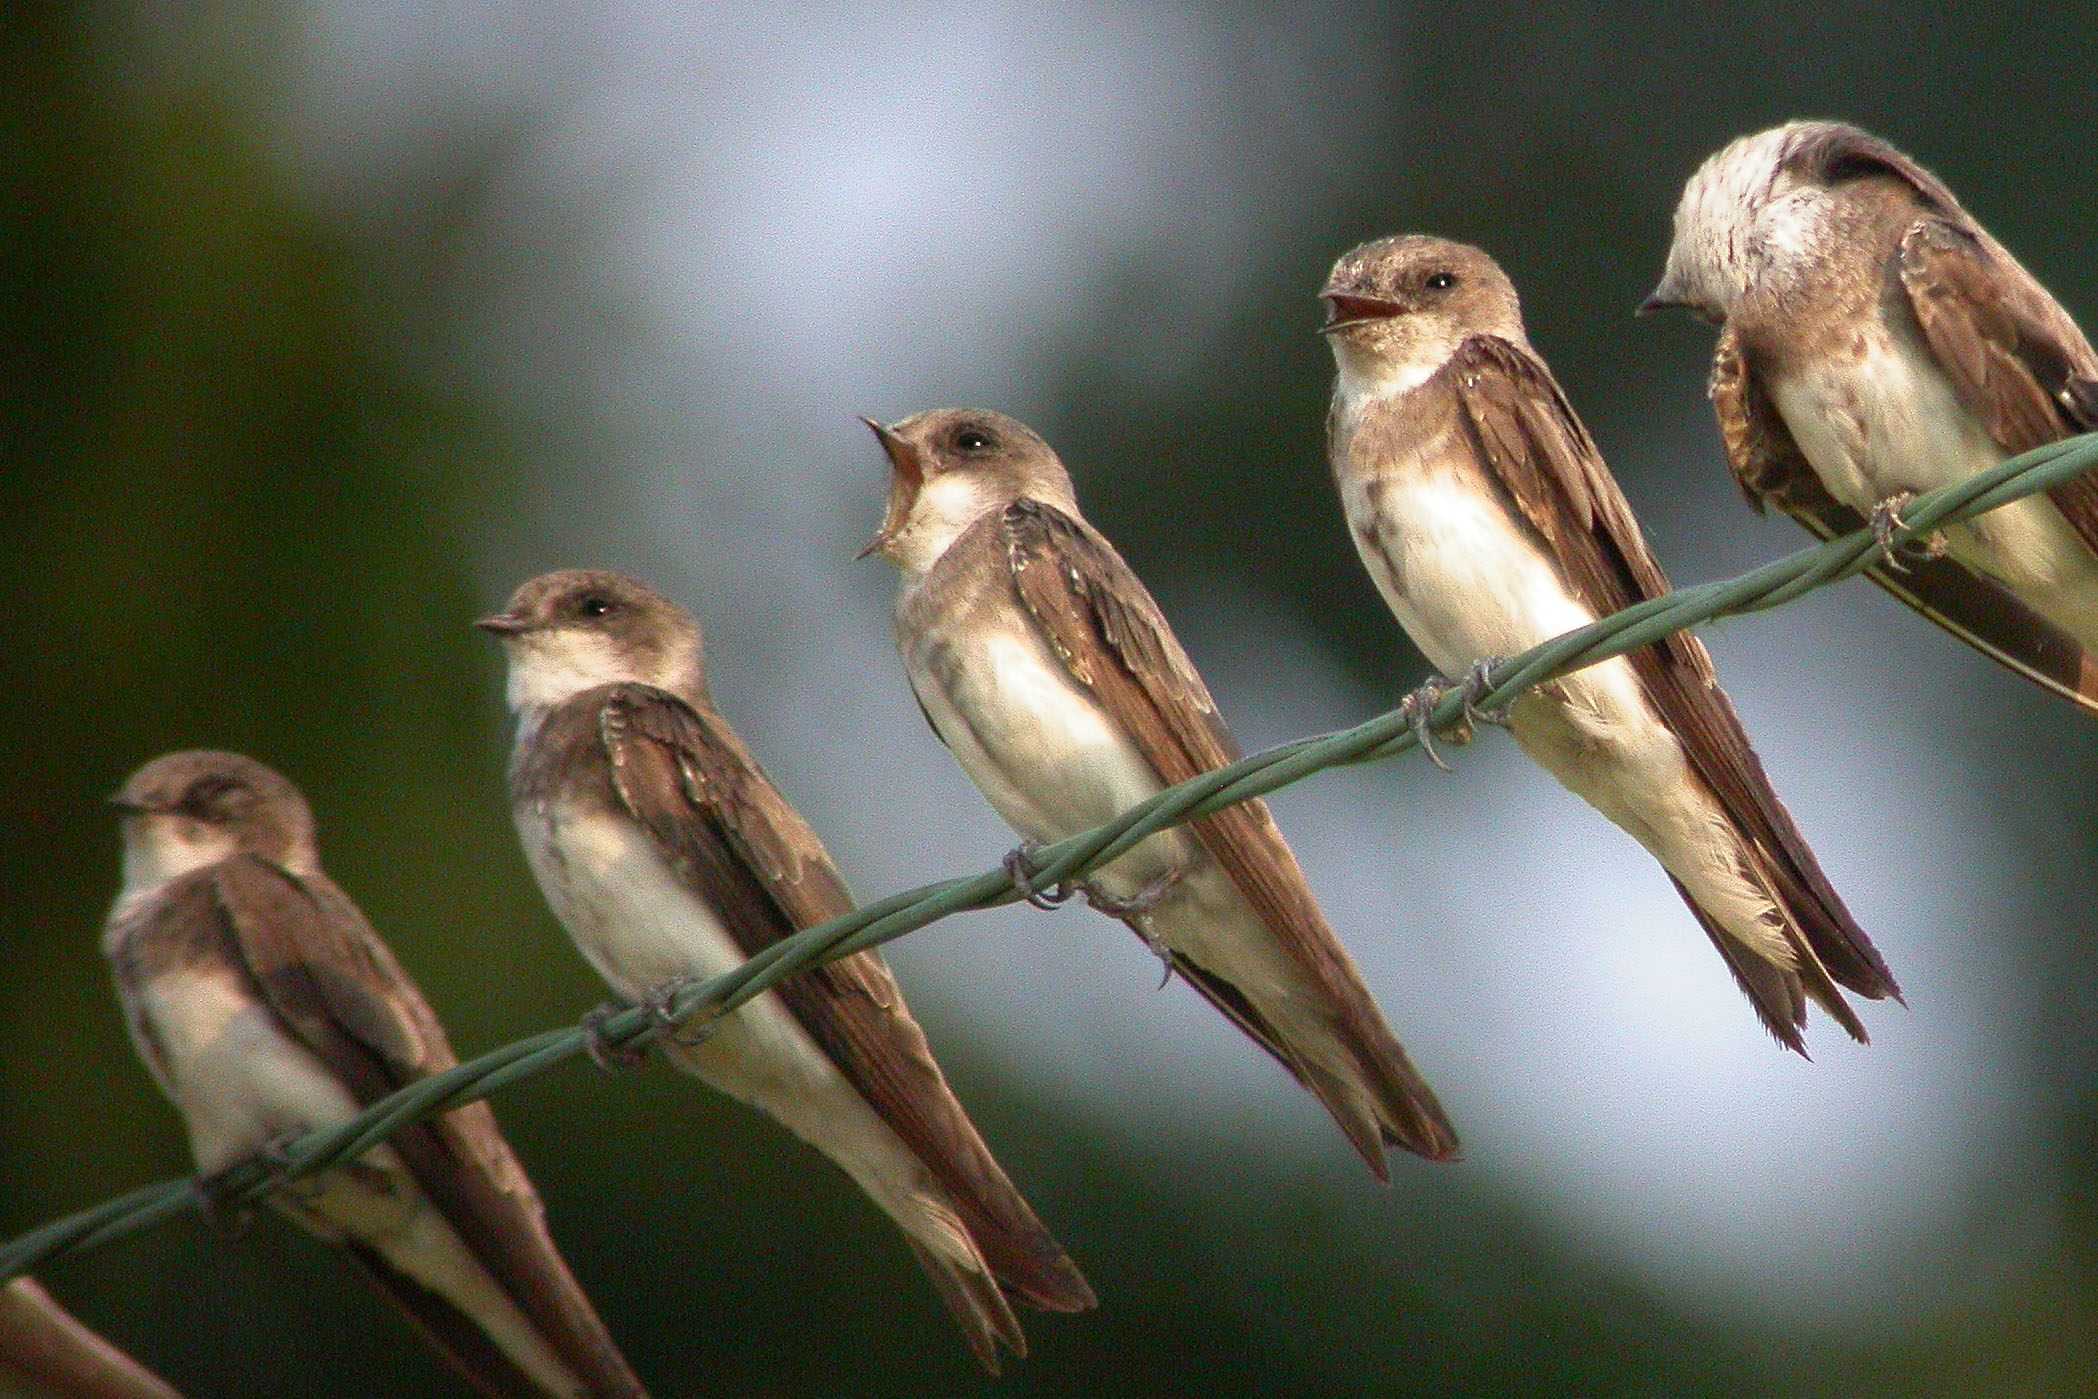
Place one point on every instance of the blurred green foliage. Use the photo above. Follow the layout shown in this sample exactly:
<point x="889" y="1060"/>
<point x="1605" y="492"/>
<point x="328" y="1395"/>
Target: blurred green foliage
<point x="234" y="513"/>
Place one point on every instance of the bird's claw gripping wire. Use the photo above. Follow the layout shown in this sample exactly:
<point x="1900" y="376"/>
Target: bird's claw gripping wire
<point x="219" y="1197"/>
<point x="1887" y="522"/>
<point x="1137" y="904"/>
<point x="1478" y="684"/>
<point x="603" y="1053"/>
<point x="1020" y="868"/>
<point x="661" y="1005"/>
<point x="1419" y="708"/>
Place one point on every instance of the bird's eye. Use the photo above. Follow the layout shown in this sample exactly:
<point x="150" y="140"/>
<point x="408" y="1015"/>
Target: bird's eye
<point x="594" y="606"/>
<point x="971" y="440"/>
<point x="1442" y="281"/>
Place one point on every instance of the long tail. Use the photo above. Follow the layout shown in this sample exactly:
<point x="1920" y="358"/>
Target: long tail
<point x="977" y="1302"/>
<point x="1385" y="1102"/>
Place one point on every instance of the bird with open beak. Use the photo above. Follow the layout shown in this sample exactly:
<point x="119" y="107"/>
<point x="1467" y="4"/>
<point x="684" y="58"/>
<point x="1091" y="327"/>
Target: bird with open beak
<point x="1489" y="523"/>
<point x="670" y="857"/>
<point x="1876" y="342"/>
<point x="1044" y="665"/>
<point x="266" y="1007"/>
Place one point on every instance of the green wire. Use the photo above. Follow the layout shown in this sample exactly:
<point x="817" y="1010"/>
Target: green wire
<point x="1385" y="736"/>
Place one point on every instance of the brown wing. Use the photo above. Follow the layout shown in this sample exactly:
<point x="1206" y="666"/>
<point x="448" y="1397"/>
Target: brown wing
<point x="1112" y="638"/>
<point x="2016" y="359"/>
<point x="1527" y="434"/>
<point x="687" y="779"/>
<point x="338" y="989"/>
<point x="45" y="1351"/>
<point x="1770" y="467"/>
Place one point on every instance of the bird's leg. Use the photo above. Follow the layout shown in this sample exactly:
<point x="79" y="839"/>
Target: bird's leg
<point x="1137" y="904"/>
<point x="1887" y="521"/>
<point x="607" y="1056"/>
<point x="660" y="1003"/>
<point x="1020" y="868"/>
<point x="220" y="1202"/>
<point x="1478" y="684"/>
<point x="1419" y="707"/>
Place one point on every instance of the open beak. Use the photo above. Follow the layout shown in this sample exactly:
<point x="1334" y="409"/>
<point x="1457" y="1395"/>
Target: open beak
<point x="907" y="476"/>
<point x="1344" y="309"/>
<point x="503" y="624"/>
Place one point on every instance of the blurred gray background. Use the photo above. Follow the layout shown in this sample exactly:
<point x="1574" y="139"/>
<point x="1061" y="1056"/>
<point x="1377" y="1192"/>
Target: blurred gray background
<point x="326" y="324"/>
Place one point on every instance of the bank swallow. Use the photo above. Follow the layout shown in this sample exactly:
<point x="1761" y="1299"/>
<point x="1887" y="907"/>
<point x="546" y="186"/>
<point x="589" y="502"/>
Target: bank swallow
<point x="670" y="857"/>
<point x="1876" y="342"/>
<point x="45" y="1353"/>
<point x="266" y="1007"/>
<point x="1489" y="523"/>
<point x="1044" y="665"/>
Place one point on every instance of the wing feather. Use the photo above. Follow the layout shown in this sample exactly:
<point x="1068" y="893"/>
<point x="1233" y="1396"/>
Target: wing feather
<point x="1111" y="636"/>
<point x="341" y="993"/>
<point x="1528" y="436"/>
<point x="688" y="781"/>
<point x="1770" y="468"/>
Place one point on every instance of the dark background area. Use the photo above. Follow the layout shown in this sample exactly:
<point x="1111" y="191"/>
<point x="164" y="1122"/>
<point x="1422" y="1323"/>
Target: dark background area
<point x="250" y="496"/>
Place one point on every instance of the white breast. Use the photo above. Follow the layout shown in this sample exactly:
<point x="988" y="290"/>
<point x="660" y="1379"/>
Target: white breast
<point x="1043" y="751"/>
<point x="238" y="1079"/>
<point x="1463" y="580"/>
<point x="639" y="925"/>
<point x="1887" y="422"/>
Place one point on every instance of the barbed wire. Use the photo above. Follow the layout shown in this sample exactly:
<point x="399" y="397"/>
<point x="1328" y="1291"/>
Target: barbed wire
<point x="1387" y="735"/>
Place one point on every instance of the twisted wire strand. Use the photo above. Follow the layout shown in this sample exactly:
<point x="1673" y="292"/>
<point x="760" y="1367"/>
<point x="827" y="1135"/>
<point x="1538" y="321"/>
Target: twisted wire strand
<point x="1387" y="735"/>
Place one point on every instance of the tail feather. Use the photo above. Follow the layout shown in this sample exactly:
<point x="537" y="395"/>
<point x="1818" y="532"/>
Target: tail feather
<point x="451" y="1332"/>
<point x="1780" y="994"/>
<point x="975" y="1299"/>
<point x="1385" y="1102"/>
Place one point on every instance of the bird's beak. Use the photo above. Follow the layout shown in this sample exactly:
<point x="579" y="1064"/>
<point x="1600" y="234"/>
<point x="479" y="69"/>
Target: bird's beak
<point x="503" y="624"/>
<point x="1666" y="297"/>
<point x="907" y="476"/>
<point x="1344" y="309"/>
<point x="126" y="805"/>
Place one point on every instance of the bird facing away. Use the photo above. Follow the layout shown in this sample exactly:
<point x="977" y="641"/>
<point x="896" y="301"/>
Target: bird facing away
<point x="1877" y="342"/>
<point x="1045" y="667"/>
<point x="45" y="1353"/>
<point x="669" y="856"/>
<point x="1489" y="523"/>
<point x="265" y="1007"/>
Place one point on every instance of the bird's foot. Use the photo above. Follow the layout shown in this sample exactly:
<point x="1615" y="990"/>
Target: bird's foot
<point x="603" y="1053"/>
<point x="1887" y="522"/>
<point x="1478" y="684"/>
<point x="662" y="997"/>
<point x="1158" y="949"/>
<point x="1020" y="868"/>
<point x="1137" y="904"/>
<point x="661" y="1005"/>
<point x="220" y="1195"/>
<point x="1419" y="708"/>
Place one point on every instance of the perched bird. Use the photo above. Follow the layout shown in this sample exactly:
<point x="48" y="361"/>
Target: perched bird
<point x="46" y="1354"/>
<point x="1489" y="523"/>
<point x="1044" y="665"/>
<point x="1877" y="342"/>
<point x="669" y="856"/>
<point x="266" y="1007"/>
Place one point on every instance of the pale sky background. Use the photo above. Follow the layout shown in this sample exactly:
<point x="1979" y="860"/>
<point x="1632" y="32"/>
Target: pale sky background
<point x="727" y="231"/>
